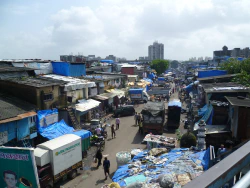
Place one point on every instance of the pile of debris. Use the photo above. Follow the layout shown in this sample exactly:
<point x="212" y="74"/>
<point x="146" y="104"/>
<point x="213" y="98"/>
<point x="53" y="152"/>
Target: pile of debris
<point x="160" y="167"/>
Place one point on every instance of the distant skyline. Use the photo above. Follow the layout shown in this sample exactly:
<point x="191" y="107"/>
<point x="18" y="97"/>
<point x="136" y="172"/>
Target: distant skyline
<point x="47" y="29"/>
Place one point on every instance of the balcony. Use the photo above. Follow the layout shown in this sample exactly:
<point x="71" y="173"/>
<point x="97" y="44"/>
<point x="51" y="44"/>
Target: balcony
<point x="234" y="170"/>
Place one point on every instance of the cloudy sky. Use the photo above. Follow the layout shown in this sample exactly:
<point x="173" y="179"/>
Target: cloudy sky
<point x="188" y="28"/>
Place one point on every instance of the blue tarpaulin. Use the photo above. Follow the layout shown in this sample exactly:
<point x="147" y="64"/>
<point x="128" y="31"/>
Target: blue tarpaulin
<point x="83" y="134"/>
<point x="151" y="76"/>
<point x="45" y="118"/>
<point x="107" y="61"/>
<point x="161" y="78"/>
<point x="123" y="174"/>
<point x="202" y="110"/>
<point x="69" y="69"/>
<point x="135" y="91"/>
<point x="148" y="80"/>
<point x="209" y="73"/>
<point x="189" y="88"/>
<point x="55" y="130"/>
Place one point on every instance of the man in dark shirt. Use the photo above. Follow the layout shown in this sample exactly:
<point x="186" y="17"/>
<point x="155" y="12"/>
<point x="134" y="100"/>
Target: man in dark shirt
<point x="106" y="165"/>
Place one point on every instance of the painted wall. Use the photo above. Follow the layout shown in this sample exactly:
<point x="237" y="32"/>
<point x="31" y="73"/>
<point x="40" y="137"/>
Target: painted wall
<point x="128" y="70"/>
<point x="76" y="95"/>
<point x="20" y="129"/>
<point x="69" y="69"/>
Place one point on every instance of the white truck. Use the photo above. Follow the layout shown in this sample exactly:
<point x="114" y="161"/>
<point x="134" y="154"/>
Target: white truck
<point x="57" y="158"/>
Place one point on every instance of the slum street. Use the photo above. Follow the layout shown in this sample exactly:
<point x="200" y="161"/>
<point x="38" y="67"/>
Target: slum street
<point x="127" y="138"/>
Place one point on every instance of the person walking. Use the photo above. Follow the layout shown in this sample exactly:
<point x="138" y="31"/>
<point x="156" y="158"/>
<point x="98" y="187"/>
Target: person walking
<point x="99" y="157"/>
<point x="117" y="122"/>
<point x="140" y="127"/>
<point x="106" y="166"/>
<point x="113" y="131"/>
<point x="139" y="118"/>
<point x="135" y="118"/>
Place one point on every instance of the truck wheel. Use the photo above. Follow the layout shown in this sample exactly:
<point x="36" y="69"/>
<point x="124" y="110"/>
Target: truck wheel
<point x="72" y="174"/>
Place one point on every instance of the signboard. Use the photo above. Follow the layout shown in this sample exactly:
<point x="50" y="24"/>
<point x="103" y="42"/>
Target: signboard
<point x="17" y="168"/>
<point x="3" y="137"/>
<point x="135" y="96"/>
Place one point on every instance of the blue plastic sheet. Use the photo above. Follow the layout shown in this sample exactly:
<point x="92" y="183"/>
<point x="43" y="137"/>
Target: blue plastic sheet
<point x="55" y="130"/>
<point x="148" y="80"/>
<point x="135" y="91"/>
<point x="202" y="110"/>
<point x="41" y="120"/>
<point x="83" y="134"/>
<point x="209" y="73"/>
<point x="122" y="173"/>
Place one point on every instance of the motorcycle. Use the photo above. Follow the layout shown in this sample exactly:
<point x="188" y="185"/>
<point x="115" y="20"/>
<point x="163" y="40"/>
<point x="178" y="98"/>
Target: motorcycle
<point x="98" y="141"/>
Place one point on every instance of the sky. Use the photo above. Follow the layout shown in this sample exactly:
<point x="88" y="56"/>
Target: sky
<point x="125" y="28"/>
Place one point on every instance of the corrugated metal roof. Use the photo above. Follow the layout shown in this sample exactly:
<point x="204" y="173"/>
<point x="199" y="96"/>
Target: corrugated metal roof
<point x="11" y="107"/>
<point x="226" y="87"/>
<point x="14" y="69"/>
<point x="238" y="102"/>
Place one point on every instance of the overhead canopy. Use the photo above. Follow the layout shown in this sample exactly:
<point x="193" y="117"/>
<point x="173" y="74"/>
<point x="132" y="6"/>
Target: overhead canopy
<point x="86" y="105"/>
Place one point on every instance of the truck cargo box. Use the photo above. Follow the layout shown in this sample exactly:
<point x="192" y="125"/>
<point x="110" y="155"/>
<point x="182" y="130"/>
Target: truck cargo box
<point x="64" y="152"/>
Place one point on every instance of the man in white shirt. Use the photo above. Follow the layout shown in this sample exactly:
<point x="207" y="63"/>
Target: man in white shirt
<point x="98" y="130"/>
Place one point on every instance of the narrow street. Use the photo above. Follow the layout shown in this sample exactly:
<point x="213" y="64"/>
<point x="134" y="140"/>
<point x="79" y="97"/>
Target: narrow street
<point x="127" y="138"/>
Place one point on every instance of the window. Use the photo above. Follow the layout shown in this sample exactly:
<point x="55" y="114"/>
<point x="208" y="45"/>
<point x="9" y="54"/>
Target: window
<point x="48" y="97"/>
<point x="33" y="119"/>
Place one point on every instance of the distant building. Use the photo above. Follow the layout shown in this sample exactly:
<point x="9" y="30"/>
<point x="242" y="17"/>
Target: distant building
<point x="143" y="58"/>
<point x="221" y="55"/>
<point x="112" y="57"/>
<point x="73" y="58"/>
<point x="156" y="51"/>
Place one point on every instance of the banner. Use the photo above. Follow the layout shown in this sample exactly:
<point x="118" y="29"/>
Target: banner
<point x="17" y="168"/>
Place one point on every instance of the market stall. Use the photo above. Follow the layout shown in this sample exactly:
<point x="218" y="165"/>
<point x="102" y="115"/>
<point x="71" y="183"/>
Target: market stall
<point x="159" y="141"/>
<point x="153" y="169"/>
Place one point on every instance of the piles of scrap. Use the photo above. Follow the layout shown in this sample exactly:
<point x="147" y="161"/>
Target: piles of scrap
<point x="160" y="167"/>
<point x="159" y="141"/>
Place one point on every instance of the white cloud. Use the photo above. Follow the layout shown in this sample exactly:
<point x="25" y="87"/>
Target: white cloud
<point x="126" y="28"/>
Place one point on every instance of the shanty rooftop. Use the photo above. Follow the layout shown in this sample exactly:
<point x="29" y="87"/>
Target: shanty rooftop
<point x="4" y="69"/>
<point x="36" y="82"/>
<point x="227" y="87"/>
<point x="12" y="107"/>
<point x="237" y="101"/>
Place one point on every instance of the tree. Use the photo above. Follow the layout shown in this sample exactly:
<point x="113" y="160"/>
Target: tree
<point x="241" y="68"/>
<point x="188" y="140"/>
<point x="174" y="64"/>
<point x="159" y="65"/>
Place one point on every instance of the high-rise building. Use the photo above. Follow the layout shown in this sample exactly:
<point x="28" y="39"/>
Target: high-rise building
<point x="156" y="51"/>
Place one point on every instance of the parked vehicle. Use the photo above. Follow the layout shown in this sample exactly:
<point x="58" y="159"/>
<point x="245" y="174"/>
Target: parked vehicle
<point x="138" y="94"/>
<point x="158" y="91"/>
<point x="94" y="123"/>
<point x="57" y="158"/>
<point x="127" y="110"/>
<point x="161" y="81"/>
<point x="153" y="115"/>
<point x="98" y="141"/>
<point x="174" y="114"/>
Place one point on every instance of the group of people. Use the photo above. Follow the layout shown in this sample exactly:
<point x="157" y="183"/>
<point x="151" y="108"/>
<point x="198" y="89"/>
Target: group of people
<point x="106" y="163"/>
<point x="138" y="121"/>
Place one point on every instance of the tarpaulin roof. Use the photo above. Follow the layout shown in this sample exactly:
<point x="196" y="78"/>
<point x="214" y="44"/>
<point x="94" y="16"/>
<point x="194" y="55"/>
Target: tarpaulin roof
<point x="86" y="105"/>
<point x="209" y="73"/>
<point x="82" y="133"/>
<point x="61" y="128"/>
<point x="148" y="80"/>
<point x="107" y="61"/>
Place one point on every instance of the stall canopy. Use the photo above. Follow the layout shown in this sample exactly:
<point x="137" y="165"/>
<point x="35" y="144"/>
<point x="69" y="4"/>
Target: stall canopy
<point x="118" y="92"/>
<point x="86" y="105"/>
<point x="61" y="128"/>
<point x="107" y="61"/>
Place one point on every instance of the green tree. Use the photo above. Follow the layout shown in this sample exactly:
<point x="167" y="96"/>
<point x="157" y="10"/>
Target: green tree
<point x="159" y="65"/>
<point x="174" y="64"/>
<point x="241" y="68"/>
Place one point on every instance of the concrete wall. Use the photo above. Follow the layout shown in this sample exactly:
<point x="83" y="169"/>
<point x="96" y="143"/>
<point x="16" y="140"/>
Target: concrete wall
<point x="76" y="95"/>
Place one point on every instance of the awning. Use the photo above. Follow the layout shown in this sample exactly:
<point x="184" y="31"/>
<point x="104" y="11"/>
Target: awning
<point x="86" y="105"/>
